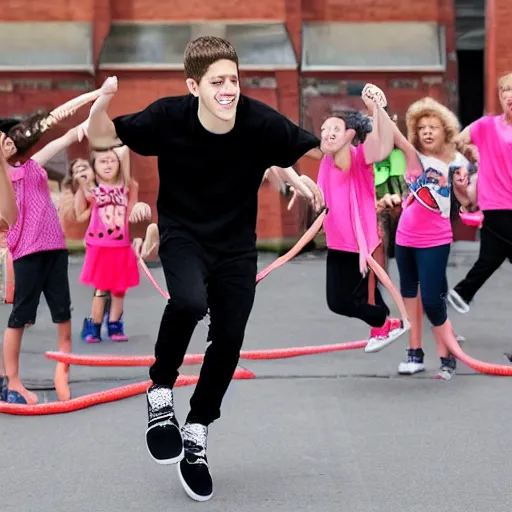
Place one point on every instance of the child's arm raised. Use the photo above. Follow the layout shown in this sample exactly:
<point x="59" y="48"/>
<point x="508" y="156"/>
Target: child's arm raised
<point x="54" y="147"/>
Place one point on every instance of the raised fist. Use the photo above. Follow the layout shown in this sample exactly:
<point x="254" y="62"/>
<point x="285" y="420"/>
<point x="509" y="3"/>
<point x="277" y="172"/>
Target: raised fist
<point x="372" y="95"/>
<point x="109" y="85"/>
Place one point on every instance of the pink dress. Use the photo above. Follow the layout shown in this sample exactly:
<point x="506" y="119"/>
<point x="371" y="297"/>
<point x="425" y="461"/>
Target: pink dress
<point x="110" y="262"/>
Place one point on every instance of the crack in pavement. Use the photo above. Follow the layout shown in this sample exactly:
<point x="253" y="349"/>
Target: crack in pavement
<point x="47" y="384"/>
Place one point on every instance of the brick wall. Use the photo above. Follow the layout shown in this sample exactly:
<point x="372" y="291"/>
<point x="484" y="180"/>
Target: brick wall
<point x="498" y="51"/>
<point x="198" y="10"/>
<point x="370" y="10"/>
<point x="49" y="10"/>
<point x="138" y="89"/>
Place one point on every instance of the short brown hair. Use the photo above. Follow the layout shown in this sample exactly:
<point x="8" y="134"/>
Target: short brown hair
<point x="204" y="51"/>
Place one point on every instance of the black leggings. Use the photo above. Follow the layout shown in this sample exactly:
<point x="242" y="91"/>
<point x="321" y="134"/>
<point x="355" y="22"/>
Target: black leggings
<point x="347" y="290"/>
<point x="495" y="248"/>
<point x="198" y="280"/>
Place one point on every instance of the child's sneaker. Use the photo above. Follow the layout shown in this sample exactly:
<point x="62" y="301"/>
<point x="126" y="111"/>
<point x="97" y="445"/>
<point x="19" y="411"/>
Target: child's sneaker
<point x="3" y="389"/>
<point x="381" y="337"/>
<point x="116" y="331"/>
<point x="91" y="332"/>
<point x="414" y="363"/>
<point x="448" y="366"/>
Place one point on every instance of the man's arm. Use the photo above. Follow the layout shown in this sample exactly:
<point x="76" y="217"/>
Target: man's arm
<point x="143" y="132"/>
<point x="301" y="185"/>
<point x="315" y="153"/>
<point x="8" y="207"/>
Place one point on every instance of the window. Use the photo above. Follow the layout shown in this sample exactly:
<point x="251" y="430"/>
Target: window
<point x="46" y="46"/>
<point x="263" y="46"/>
<point x="385" y="46"/>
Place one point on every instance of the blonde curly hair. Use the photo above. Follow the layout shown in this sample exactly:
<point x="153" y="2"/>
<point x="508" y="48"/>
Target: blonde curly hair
<point x="429" y="107"/>
<point x="503" y="80"/>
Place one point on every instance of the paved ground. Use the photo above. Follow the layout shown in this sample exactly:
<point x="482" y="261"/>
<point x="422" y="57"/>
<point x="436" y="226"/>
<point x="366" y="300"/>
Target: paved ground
<point x="334" y="432"/>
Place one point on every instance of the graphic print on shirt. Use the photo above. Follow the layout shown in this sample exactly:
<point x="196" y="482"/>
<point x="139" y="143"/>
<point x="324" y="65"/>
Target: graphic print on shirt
<point x="112" y="204"/>
<point x="432" y="186"/>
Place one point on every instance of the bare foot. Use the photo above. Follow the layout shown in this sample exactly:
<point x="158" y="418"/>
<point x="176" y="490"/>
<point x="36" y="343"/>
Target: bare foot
<point x="61" y="381"/>
<point x="151" y="243"/>
<point x="30" y="397"/>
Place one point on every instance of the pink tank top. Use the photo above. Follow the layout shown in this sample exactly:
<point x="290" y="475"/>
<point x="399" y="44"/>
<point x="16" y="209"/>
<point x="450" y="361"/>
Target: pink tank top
<point x="108" y="226"/>
<point x="38" y="227"/>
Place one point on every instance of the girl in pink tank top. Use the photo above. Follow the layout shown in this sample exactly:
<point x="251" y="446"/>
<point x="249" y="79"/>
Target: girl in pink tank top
<point x="346" y="178"/>
<point x="110" y="264"/>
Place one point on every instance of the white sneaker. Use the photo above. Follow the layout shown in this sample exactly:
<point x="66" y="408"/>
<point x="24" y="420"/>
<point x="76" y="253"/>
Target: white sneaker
<point x="414" y="363"/>
<point x="458" y="302"/>
<point x="410" y="368"/>
<point x="381" y="337"/>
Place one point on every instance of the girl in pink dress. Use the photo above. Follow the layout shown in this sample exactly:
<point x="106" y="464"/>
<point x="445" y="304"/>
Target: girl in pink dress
<point x="110" y="264"/>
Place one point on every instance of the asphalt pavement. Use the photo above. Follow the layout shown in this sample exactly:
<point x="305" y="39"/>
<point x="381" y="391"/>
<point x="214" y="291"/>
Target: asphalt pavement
<point x="332" y="432"/>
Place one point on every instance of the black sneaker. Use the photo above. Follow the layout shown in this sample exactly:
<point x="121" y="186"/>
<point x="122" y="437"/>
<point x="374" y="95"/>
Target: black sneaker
<point x="193" y="469"/>
<point x="448" y="367"/>
<point x="163" y="436"/>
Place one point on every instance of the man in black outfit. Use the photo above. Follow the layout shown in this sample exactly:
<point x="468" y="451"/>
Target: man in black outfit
<point x="213" y="147"/>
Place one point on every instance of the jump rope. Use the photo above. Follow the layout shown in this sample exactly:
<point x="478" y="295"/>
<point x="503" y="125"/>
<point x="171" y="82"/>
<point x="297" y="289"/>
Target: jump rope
<point x="130" y="390"/>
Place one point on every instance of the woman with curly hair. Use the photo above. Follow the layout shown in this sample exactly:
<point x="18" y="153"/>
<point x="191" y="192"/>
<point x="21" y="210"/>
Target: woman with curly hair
<point x="424" y="232"/>
<point x="346" y="179"/>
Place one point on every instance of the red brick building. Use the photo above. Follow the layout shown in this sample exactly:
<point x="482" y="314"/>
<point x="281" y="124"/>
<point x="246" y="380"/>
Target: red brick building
<point x="299" y="56"/>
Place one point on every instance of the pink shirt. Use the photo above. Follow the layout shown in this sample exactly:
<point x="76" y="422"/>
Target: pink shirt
<point x="108" y="226"/>
<point x="425" y="220"/>
<point x="38" y="227"/>
<point x="493" y="138"/>
<point x="338" y="188"/>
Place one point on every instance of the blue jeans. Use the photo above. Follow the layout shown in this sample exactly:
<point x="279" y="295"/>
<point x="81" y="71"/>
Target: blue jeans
<point x="426" y="268"/>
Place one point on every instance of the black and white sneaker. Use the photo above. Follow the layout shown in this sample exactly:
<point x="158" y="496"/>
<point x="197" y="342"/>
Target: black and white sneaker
<point x="448" y="367"/>
<point x="193" y="469"/>
<point x="163" y="436"/>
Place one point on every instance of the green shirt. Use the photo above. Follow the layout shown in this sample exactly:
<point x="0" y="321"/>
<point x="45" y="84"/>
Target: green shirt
<point x="390" y="175"/>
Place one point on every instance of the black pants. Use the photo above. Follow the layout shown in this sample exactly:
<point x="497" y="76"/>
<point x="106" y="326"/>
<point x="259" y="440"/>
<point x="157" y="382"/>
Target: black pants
<point x="199" y="280"/>
<point x="43" y="272"/>
<point x="495" y="248"/>
<point x="347" y="290"/>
